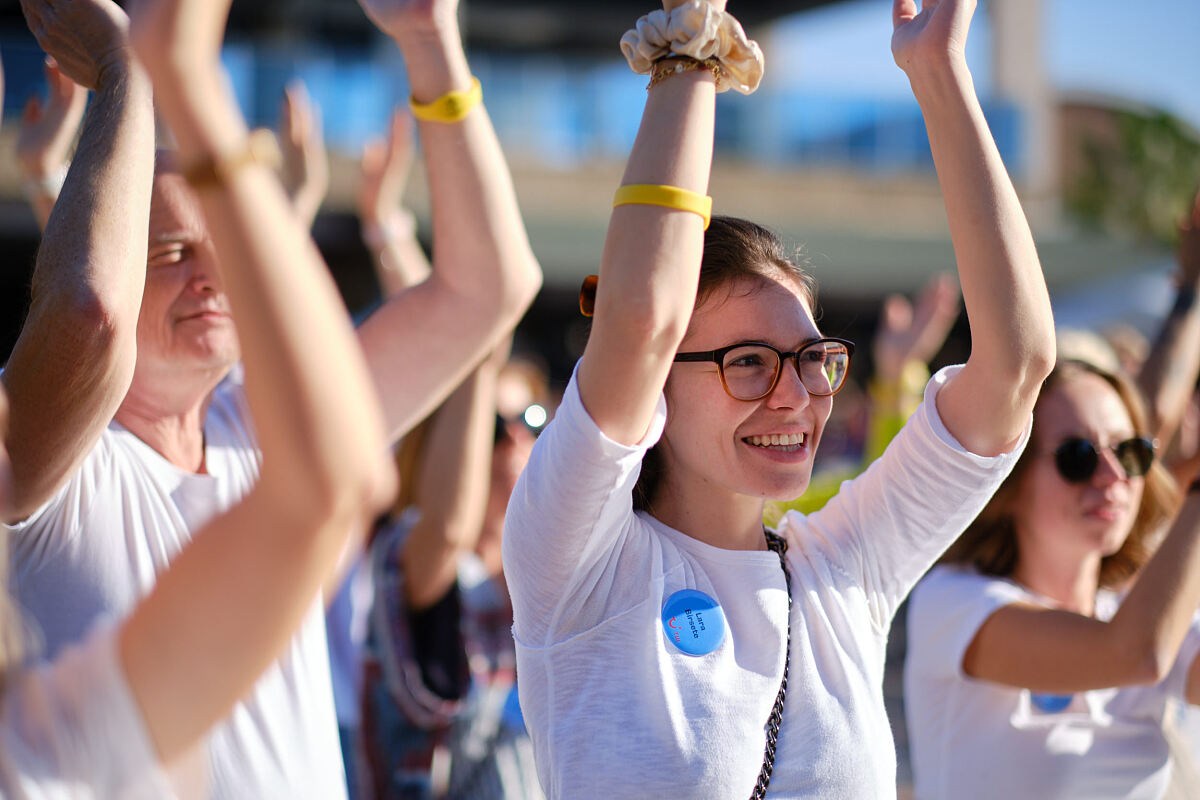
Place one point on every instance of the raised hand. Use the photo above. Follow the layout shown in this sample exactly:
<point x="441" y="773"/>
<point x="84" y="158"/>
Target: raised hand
<point x="1189" y="247"/>
<point x="305" y="164"/>
<point x="86" y="37"/>
<point x="907" y="333"/>
<point x="932" y="35"/>
<point x="385" y="168"/>
<point x="48" y="128"/>
<point x="394" y="17"/>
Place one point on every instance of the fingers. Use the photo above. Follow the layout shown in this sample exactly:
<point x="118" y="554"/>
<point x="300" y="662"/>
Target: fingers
<point x="296" y="113"/>
<point x="903" y="11"/>
<point x="372" y="157"/>
<point x="400" y="142"/>
<point x="897" y="313"/>
<point x="62" y="87"/>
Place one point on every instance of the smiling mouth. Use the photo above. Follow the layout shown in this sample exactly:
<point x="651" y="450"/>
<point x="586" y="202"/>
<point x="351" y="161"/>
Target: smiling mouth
<point x="778" y="442"/>
<point x="212" y="314"/>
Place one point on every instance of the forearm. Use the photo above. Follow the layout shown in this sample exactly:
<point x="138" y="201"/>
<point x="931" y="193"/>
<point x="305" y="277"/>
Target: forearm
<point x="1012" y="328"/>
<point x="1157" y="612"/>
<point x="74" y="359"/>
<point x="452" y="488"/>
<point x="396" y="253"/>
<point x="1168" y="376"/>
<point x="651" y="262"/>
<point x="493" y="269"/>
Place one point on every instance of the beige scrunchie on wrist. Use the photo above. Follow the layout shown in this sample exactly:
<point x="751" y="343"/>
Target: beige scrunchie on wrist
<point x="699" y="31"/>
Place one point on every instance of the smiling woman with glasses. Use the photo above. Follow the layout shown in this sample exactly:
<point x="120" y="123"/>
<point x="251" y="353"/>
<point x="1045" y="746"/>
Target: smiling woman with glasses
<point x="668" y="645"/>
<point x="1034" y="667"/>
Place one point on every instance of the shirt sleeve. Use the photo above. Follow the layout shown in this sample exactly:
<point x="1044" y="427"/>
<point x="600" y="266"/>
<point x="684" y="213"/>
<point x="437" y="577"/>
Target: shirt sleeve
<point x="947" y="609"/>
<point x="46" y="532"/>
<point x="889" y="525"/>
<point x="75" y="722"/>
<point x="570" y="508"/>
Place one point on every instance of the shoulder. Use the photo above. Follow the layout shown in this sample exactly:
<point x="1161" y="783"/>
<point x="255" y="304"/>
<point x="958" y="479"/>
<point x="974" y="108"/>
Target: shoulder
<point x="959" y="584"/>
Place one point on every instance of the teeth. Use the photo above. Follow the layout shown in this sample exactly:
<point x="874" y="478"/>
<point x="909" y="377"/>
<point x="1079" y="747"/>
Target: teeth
<point x="777" y="440"/>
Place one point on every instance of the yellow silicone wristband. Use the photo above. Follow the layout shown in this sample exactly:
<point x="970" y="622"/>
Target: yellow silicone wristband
<point x="450" y="107"/>
<point x="668" y="196"/>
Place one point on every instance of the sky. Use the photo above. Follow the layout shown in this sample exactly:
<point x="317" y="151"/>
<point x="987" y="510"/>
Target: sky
<point x="1147" y="51"/>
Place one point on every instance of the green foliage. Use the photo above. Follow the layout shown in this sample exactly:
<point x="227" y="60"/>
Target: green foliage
<point x="1144" y="183"/>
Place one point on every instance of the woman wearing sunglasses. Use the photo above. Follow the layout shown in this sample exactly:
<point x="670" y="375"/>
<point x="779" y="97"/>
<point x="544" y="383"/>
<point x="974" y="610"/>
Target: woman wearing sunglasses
<point x="668" y="645"/>
<point x="1028" y="673"/>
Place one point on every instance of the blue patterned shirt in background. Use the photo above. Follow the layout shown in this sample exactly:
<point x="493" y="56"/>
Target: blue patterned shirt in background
<point x="465" y="740"/>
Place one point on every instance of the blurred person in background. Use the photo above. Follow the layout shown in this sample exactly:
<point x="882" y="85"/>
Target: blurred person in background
<point x="1030" y="671"/>
<point x="906" y="339"/>
<point x="667" y="644"/>
<point x="441" y="716"/>
<point x="46" y="136"/>
<point x="125" y="436"/>
<point x="112" y="711"/>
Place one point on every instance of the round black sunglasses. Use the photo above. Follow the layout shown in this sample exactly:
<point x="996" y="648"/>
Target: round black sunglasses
<point x="1078" y="459"/>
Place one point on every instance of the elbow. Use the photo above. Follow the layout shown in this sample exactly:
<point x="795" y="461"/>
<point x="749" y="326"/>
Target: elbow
<point x="1039" y="363"/>
<point x="339" y="493"/>
<point x="1149" y="663"/>
<point x="522" y="282"/>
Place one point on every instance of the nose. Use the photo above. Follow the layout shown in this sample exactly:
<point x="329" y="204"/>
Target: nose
<point x="1109" y="469"/>
<point x="205" y="276"/>
<point x="789" y="391"/>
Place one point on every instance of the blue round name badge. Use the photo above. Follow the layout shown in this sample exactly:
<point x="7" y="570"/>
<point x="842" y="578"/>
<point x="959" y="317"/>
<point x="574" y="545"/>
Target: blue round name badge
<point x="693" y="622"/>
<point x="1050" y="703"/>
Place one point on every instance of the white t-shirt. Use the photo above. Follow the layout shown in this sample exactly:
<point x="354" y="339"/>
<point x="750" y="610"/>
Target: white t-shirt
<point x="71" y="729"/>
<point x="977" y="739"/>
<point x="615" y="709"/>
<point x="96" y="548"/>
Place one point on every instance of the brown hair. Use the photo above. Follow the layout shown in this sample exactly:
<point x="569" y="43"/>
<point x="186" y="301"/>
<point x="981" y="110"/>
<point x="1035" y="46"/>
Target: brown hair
<point x="990" y="542"/>
<point x="734" y="249"/>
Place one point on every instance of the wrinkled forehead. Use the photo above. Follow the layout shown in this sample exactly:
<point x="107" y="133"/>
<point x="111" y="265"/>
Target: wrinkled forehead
<point x="174" y="207"/>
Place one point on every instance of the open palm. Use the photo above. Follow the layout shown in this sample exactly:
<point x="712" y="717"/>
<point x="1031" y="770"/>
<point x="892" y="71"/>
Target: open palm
<point x="938" y="30"/>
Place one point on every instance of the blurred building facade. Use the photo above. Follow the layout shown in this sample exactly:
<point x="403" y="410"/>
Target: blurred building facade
<point x="849" y="178"/>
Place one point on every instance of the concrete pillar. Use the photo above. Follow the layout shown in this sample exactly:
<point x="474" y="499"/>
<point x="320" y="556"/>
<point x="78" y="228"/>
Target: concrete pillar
<point x="1019" y="68"/>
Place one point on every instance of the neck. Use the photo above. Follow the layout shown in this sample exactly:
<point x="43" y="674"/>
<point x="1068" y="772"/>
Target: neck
<point x="171" y="421"/>
<point x="711" y="515"/>
<point x="1073" y="585"/>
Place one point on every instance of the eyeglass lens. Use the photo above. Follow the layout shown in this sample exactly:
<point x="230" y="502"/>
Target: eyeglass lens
<point x="750" y="371"/>
<point x="1077" y="459"/>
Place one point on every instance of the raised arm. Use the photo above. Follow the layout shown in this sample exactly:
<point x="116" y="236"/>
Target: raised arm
<point x="651" y="261"/>
<point x="484" y="273"/>
<point x="74" y="359"/>
<point x="1168" y="377"/>
<point x="1047" y="650"/>
<point x="201" y="638"/>
<point x="302" y="142"/>
<point x="44" y="139"/>
<point x="389" y="230"/>
<point x="987" y="405"/>
<point x="452" y="482"/>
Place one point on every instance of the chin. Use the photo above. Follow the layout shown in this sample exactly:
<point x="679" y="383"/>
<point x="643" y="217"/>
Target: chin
<point x="783" y="488"/>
